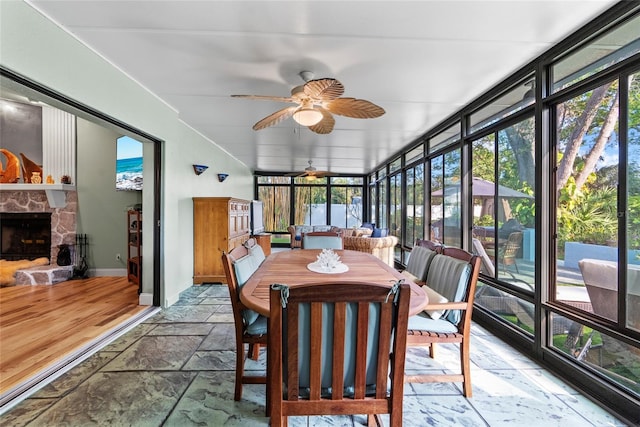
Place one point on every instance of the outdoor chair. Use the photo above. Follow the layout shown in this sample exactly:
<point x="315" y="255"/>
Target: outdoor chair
<point x="334" y="350"/>
<point x="251" y="327"/>
<point x="451" y="282"/>
<point x="508" y="251"/>
<point x="322" y="240"/>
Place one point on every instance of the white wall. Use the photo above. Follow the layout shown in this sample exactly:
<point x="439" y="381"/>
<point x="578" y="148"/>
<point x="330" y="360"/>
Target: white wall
<point x="36" y="48"/>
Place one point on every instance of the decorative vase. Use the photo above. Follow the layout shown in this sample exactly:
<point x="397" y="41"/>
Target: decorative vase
<point x="50" y="180"/>
<point x="36" y="178"/>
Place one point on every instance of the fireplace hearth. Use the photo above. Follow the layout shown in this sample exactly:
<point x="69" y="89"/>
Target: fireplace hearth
<point x="25" y="235"/>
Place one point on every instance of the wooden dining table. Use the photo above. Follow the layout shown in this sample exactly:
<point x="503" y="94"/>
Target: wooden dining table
<point x="290" y="268"/>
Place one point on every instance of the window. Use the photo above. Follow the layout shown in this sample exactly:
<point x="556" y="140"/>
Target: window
<point x="346" y="202"/>
<point x="445" y="138"/>
<point x="446" y="199"/>
<point x="275" y="194"/>
<point x="414" y="226"/>
<point x="597" y="55"/>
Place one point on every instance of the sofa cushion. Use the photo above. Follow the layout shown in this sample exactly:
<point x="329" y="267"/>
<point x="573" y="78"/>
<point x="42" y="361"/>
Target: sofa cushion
<point x="380" y="232"/>
<point x="321" y="228"/>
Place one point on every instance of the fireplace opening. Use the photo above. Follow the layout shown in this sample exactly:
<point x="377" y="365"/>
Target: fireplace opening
<point x="25" y="235"/>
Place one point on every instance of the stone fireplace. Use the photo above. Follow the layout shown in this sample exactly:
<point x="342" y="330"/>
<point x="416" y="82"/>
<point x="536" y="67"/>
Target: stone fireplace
<point x="34" y="202"/>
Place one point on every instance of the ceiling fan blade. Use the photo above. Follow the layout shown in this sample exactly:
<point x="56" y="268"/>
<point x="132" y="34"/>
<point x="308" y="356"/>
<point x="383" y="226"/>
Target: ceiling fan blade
<point x="323" y="89"/>
<point x="325" y="125"/>
<point x="266" y="98"/>
<point x="275" y="118"/>
<point x="355" y="108"/>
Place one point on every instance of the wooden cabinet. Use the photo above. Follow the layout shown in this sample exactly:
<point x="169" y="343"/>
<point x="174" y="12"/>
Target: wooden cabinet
<point x="219" y="224"/>
<point x="134" y="247"/>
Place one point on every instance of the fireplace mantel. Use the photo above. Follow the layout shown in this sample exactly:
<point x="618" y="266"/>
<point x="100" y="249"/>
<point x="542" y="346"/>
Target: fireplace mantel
<point x="55" y="192"/>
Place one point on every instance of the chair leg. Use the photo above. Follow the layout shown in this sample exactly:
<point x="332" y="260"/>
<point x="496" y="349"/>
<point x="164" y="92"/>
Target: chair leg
<point x="254" y="351"/>
<point x="432" y="350"/>
<point x="375" y="420"/>
<point x="239" y="370"/>
<point x="466" y="369"/>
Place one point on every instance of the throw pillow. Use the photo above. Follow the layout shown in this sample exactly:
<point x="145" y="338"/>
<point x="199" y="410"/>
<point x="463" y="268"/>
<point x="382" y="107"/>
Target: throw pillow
<point x="434" y="298"/>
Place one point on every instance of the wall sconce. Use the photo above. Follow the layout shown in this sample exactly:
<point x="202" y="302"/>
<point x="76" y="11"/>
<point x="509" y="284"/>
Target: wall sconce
<point x="198" y="169"/>
<point x="222" y="176"/>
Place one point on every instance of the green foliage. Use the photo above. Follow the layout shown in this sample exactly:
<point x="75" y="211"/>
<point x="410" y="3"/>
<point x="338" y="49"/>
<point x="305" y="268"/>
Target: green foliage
<point x="587" y="216"/>
<point x="633" y="222"/>
<point x="484" y="221"/>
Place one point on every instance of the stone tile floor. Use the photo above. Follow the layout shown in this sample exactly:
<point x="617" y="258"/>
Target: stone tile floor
<point x="177" y="369"/>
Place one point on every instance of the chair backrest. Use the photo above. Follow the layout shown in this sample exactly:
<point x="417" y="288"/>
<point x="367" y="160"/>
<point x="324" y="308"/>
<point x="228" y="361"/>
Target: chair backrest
<point x="322" y="240"/>
<point x="239" y="265"/>
<point x="514" y="242"/>
<point x="454" y="275"/>
<point x="487" y="266"/>
<point x="600" y="280"/>
<point x="328" y="341"/>
<point x="419" y="262"/>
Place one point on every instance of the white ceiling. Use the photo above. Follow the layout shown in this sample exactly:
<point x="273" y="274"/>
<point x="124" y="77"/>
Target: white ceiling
<point x="419" y="60"/>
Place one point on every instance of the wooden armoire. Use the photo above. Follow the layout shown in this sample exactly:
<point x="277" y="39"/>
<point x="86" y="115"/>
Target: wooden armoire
<point x="219" y="224"/>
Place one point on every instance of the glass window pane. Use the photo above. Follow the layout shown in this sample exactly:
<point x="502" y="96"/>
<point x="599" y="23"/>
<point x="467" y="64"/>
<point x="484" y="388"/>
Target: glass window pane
<point x="599" y="352"/>
<point x="508" y="307"/>
<point x="414" y="228"/>
<point x="515" y="244"/>
<point x="586" y="194"/>
<point x="395" y="165"/>
<point x="445" y="138"/>
<point x="346" y="206"/>
<point x="446" y="199"/>
<point x="347" y="180"/>
<point x="310" y="205"/>
<point x="633" y="204"/>
<point x="598" y="55"/>
<point x="435" y="195"/>
<point x="484" y="217"/>
<point x="276" y="202"/>
<point x="414" y="154"/>
<point x="514" y="100"/>
<point x="395" y="216"/>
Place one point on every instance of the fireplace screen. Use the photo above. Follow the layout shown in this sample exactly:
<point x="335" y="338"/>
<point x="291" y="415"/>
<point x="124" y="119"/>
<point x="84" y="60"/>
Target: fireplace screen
<point x="25" y="235"/>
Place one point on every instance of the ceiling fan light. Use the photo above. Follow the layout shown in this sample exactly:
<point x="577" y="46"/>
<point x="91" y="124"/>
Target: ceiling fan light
<point x="310" y="178"/>
<point x="307" y="116"/>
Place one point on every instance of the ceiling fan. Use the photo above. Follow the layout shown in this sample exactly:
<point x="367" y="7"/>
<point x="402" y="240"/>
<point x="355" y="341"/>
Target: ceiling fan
<point x="310" y="173"/>
<point x="316" y="101"/>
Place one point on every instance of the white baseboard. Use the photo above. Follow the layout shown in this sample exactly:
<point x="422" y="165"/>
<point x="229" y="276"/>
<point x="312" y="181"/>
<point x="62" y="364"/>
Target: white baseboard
<point x="145" y="299"/>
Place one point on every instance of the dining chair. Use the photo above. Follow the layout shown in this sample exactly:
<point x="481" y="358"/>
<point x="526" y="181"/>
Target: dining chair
<point x="451" y="282"/>
<point x="420" y="260"/>
<point x="251" y="327"/>
<point x="322" y="240"/>
<point x="333" y="350"/>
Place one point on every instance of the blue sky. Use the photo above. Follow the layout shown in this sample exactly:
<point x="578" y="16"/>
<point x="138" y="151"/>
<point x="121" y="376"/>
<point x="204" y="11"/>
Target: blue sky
<point x="128" y="148"/>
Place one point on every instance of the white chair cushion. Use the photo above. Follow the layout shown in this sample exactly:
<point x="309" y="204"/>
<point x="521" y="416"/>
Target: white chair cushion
<point x="434" y="298"/>
<point x="424" y="322"/>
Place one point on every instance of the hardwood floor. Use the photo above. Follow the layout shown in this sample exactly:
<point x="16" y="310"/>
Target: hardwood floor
<point x="43" y="324"/>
